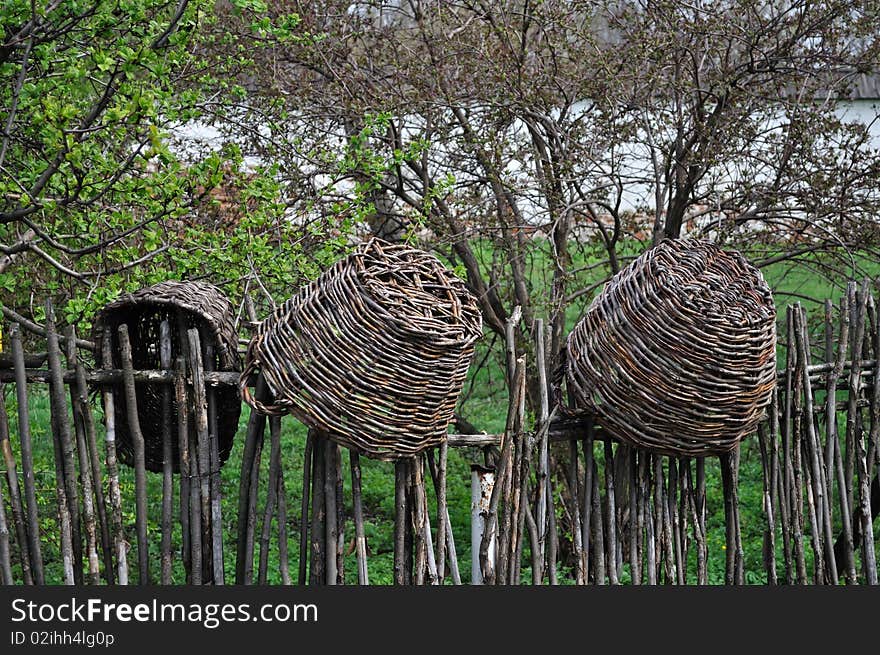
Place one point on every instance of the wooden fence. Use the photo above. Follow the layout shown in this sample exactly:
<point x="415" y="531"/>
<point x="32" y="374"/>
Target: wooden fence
<point x="552" y="502"/>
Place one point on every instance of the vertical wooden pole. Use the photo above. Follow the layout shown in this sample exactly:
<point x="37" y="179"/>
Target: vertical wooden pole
<point x="82" y="422"/>
<point x="580" y="568"/>
<point x="331" y="527"/>
<point x="185" y="468"/>
<point x="587" y="514"/>
<point x="271" y="496"/>
<point x="483" y="481"/>
<point x="597" y="534"/>
<point x="401" y="480"/>
<point x="213" y="462"/>
<point x="358" y="510"/>
<point x="93" y="461"/>
<point x="338" y="479"/>
<point x="611" y="502"/>
<point x="769" y="546"/>
<point x="137" y="437"/>
<point x="317" y="574"/>
<point x="120" y="544"/>
<point x="27" y="458"/>
<point x="167" y="454"/>
<point x="15" y="502"/>
<point x="5" y="559"/>
<point x="211" y="532"/>
<point x="634" y="526"/>
<point x="450" y="538"/>
<point x="283" y="550"/>
<point x="308" y="457"/>
<point x="249" y="467"/>
<point x="66" y="467"/>
<point x="703" y="553"/>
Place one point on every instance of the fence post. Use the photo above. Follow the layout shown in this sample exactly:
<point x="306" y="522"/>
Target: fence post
<point x="482" y="485"/>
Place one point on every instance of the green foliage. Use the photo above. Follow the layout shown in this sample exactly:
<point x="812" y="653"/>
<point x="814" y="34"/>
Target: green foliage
<point x="94" y="192"/>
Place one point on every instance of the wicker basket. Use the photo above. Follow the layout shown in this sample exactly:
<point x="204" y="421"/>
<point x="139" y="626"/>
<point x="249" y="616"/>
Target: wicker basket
<point x="678" y="353"/>
<point x="374" y="352"/>
<point x="195" y="304"/>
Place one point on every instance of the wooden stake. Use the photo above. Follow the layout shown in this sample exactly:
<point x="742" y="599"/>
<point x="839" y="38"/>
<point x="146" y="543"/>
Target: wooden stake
<point x="137" y="438"/>
<point x="18" y="514"/>
<point x="271" y="496"/>
<point x="79" y="402"/>
<point x="120" y="544"/>
<point x="316" y="571"/>
<point x="167" y="455"/>
<point x="65" y="458"/>
<point x="249" y="465"/>
<point x="185" y="468"/>
<point x="358" y="510"/>
<point x="304" y="509"/>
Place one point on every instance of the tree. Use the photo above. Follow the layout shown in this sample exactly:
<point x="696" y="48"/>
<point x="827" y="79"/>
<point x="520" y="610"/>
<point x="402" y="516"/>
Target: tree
<point x="95" y="197"/>
<point x="542" y="145"/>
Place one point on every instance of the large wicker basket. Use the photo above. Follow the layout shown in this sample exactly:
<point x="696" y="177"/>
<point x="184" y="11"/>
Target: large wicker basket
<point x="678" y="353"/>
<point x="374" y="352"/>
<point x="184" y="305"/>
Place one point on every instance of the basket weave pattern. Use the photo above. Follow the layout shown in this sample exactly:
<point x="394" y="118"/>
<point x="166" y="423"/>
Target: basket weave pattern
<point x="374" y="352"/>
<point x="678" y="353"/>
<point x="184" y="305"/>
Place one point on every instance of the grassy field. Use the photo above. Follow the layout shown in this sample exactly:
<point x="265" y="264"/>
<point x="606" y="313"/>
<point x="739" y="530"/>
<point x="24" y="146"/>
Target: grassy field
<point x="484" y="405"/>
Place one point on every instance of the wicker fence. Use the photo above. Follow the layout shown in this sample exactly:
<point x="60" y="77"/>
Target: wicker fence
<point x="556" y="501"/>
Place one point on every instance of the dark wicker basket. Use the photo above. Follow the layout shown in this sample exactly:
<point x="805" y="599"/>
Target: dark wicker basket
<point x="374" y="352"/>
<point x="185" y="305"/>
<point x="678" y="353"/>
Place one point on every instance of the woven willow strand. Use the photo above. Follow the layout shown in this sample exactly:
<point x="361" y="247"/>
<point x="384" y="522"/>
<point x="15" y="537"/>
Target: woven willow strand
<point x="677" y="354"/>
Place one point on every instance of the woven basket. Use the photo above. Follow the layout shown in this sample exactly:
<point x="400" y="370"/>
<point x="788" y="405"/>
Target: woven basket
<point x="374" y="352"/>
<point x="196" y="305"/>
<point x="677" y="354"/>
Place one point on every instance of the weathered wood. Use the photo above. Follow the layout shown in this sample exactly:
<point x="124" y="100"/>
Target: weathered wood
<point x="401" y="479"/>
<point x="340" y="514"/>
<point x="94" y="460"/>
<point x="645" y="471"/>
<point x="611" y="503"/>
<point x="167" y="456"/>
<point x="80" y="412"/>
<point x="207" y="343"/>
<point x="597" y="548"/>
<point x="317" y="560"/>
<point x="15" y="502"/>
<point x="542" y="473"/>
<point x="331" y="526"/>
<point x="442" y="508"/>
<point x="180" y="397"/>
<point x="283" y="550"/>
<point x="452" y="555"/>
<point x="120" y="544"/>
<point x="809" y="442"/>
<point x="271" y="497"/>
<point x="769" y="546"/>
<point x="5" y="559"/>
<point x="308" y="456"/>
<point x="418" y="516"/>
<point x="64" y="455"/>
<point x="358" y="510"/>
<point x="212" y="535"/>
<point x="137" y="438"/>
<point x="580" y="552"/>
<point x="256" y="428"/>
